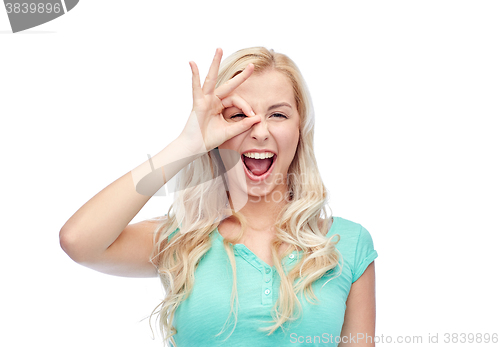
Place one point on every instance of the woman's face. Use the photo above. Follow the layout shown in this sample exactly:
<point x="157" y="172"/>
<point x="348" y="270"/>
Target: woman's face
<point x="271" y="97"/>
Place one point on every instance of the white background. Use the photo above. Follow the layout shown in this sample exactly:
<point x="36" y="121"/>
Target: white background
<point x="406" y="96"/>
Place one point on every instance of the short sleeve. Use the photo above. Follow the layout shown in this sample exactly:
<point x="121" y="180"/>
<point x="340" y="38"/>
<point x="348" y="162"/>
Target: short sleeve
<point x="365" y="254"/>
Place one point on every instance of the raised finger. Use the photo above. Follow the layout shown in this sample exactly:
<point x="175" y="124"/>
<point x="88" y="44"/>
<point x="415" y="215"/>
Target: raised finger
<point x="225" y="89"/>
<point x="197" y="92"/>
<point x="211" y="79"/>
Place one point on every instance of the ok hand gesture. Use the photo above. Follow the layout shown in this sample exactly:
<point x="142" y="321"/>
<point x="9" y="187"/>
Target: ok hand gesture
<point x="206" y="127"/>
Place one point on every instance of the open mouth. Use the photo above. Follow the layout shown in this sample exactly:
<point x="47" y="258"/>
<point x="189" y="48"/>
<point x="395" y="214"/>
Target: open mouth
<point x="258" y="169"/>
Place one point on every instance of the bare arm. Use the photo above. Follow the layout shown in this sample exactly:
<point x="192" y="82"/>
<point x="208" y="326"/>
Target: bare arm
<point x="99" y="236"/>
<point x="88" y="235"/>
<point x="359" y="321"/>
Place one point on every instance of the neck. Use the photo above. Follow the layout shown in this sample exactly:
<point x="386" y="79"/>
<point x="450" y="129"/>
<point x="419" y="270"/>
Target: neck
<point x="261" y="212"/>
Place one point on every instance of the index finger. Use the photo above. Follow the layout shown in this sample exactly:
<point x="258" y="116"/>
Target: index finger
<point x="225" y="89"/>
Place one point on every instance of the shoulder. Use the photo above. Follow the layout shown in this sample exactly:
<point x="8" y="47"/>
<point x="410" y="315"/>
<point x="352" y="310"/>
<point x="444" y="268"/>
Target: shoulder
<point x="355" y="244"/>
<point x="350" y="232"/>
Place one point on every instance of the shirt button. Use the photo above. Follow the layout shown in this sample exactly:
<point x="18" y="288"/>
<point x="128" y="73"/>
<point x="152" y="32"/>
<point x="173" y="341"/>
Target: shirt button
<point x="267" y="280"/>
<point x="267" y="291"/>
<point x="291" y="256"/>
<point x="268" y="270"/>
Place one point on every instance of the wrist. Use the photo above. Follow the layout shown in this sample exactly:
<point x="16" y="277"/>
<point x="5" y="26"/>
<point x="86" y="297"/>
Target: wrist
<point x="190" y="147"/>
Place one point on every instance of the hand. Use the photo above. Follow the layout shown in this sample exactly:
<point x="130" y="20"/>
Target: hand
<point x="206" y="127"/>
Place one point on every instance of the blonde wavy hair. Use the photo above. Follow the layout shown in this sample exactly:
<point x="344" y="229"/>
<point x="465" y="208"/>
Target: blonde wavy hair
<point x="201" y="203"/>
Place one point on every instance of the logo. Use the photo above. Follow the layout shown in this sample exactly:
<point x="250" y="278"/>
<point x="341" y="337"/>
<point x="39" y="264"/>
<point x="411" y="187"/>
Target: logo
<point x="28" y="14"/>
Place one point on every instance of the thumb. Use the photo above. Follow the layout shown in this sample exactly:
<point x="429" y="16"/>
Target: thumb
<point x="243" y="125"/>
<point x="248" y="122"/>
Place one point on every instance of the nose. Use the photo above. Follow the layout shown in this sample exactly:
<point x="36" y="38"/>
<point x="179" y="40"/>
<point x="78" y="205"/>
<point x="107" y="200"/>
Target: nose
<point x="260" y="131"/>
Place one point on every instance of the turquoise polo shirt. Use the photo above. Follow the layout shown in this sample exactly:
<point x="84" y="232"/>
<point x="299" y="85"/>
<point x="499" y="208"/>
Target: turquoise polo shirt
<point x="203" y="314"/>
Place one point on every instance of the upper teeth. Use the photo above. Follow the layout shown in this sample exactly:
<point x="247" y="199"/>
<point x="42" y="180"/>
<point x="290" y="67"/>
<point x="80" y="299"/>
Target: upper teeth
<point x="259" y="155"/>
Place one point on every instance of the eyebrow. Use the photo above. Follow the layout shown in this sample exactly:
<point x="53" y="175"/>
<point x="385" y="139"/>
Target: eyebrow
<point x="273" y="106"/>
<point x="278" y="105"/>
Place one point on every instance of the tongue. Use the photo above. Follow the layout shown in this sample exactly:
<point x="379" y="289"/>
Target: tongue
<point x="258" y="166"/>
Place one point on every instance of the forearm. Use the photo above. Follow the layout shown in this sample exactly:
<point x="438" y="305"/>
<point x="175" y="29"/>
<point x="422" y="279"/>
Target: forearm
<point x="99" y="222"/>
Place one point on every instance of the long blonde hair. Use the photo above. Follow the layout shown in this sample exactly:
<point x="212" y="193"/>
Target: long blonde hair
<point x="201" y="203"/>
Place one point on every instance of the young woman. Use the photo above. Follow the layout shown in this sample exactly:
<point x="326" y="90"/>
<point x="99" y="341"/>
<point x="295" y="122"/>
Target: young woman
<point x="247" y="253"/>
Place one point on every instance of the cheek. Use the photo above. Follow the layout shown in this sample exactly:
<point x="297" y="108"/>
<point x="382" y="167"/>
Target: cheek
<point x="289" y="135"/>
<point x="232" y="143"/>
<point x="229" y="152"/>
<point x="287" y="143"/>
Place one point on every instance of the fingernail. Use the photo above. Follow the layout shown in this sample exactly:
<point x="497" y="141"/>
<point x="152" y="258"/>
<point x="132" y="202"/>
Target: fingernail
<point x="253" y="113"/>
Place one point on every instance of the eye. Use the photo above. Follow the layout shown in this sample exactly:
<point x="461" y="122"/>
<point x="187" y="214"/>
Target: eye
<point x="279" y="115"/>
<point x="238" y="115"/>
